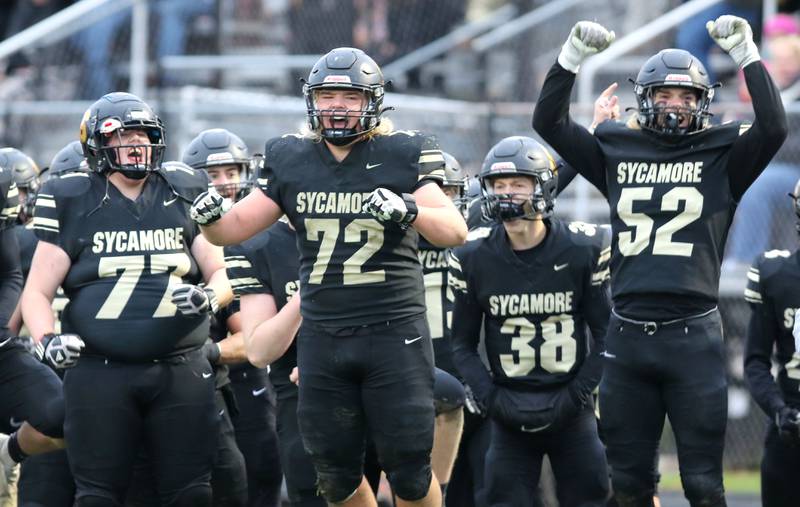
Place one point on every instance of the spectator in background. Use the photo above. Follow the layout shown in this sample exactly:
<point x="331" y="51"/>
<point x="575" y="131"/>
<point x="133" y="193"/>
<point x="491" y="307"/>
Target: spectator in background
<point x="25" y="13"/>
<point x="759" y="225"/>
<point x="317" y="25"/>
<point x="693" y="36"/>
<point x="97" y="41"/>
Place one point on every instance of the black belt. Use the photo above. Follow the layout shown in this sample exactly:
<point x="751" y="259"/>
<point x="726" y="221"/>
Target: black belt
<point x="651" y="327"/>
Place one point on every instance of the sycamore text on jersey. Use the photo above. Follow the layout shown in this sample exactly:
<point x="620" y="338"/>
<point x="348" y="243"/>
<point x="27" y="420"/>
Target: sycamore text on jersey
<point x="523" y="304"/>
<point x="331" y="202"/>
<point x="138" y="241"/>
<point x="664" y="172"/>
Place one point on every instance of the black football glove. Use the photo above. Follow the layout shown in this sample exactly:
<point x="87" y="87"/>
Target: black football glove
<point x="386" y="206"/>
<point x="474" y="406"/>
<point x="59" y="350"/>
<point x="788" y="422"/>
<point x="193" y="300"/>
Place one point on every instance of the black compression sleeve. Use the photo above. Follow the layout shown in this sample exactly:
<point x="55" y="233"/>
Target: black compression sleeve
<point x="753" y="150"/>
<point x="761" y="334"/>
<point x="572" y="141"/>
<point x="467" y="320"/>
<point x="10" y="276"/>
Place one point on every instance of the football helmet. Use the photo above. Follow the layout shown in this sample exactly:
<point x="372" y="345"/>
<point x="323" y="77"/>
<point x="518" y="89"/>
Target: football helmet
<point x="219" y="147"/>
<point x="109" y="116"/>
<point x="345" y="69"/>
<point x="454" y="176"/>
<point x="673" y="68"/>
<point x="518" y="156"/>
<point x="69" y="159"/>
<point x="25" y="173"/>
<point x="796" y="199"/>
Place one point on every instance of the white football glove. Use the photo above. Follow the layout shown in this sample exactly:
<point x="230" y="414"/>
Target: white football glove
<point x="193" y="300"/>
<point x="209" y="207"/>
<point x="585" y="39"/>
<point x="385" y="205"/>
<point x="735" y="37"/>
<point x="59" y="350"/>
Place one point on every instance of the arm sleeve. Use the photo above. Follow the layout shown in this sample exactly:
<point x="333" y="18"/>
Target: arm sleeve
<point x="596" y="309"/>
<point x="10" y="277"/>
<point x="755" y="147"/>
<point x="245" y="278"/>
<point x="761" y="333"/>
<point x="573" y="142"/>
<point x="467" y="319"/>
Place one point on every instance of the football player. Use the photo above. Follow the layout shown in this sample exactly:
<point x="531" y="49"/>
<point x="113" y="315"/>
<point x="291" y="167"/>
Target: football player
<point x="26" y="176"/>
<point x="772" y="291"/>
<point x="357" y="193"/>
<point x="119" y="241"/>
<point x="672" y="181"/>
<point x="546" y="284"/>
<point x="226" y="159"/>
<point x="45" y="480"/>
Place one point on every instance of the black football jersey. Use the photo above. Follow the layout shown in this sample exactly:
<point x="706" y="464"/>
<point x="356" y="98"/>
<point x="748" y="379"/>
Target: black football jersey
<point x="268" y="264"/>
<point x="670" y="212"/>
<point x="125" y="256"/>
<point x="773" y="291"/>
<point x="27" y="246"/>
<point x="354" y="270"/>
<point x="535" y="311"/>
<point x="438" y="302"/>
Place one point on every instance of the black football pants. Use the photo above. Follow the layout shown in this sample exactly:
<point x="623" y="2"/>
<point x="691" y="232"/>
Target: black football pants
<point x="113" y="408"/>
<point x="657" y="370"/>
<point x="779" y="468"/>
<point x="256" y="436"/>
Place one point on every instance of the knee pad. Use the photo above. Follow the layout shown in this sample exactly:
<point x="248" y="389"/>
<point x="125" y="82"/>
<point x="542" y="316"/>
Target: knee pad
<point x="337" y="487"/>
<point x="411" y="481"/>
<point x="632" y="491"/>
<point x="95" y="501"/>
<point x="704" y="490"/>
<point x="448" y="392"/>
<point x="194" y="496"/>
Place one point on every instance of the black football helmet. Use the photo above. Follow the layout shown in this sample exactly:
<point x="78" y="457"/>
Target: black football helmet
<point x="219" y="147"/>
<point x="518" y="156"/>
<point x="69" y="159"/>
<point x="796" y="199"/>
<point x="107" y="117"/>
<point x="454" y="176"/>
<point x="345" y="69"/>
<point x="673" y="68"/>
<point x="25" y="173"/>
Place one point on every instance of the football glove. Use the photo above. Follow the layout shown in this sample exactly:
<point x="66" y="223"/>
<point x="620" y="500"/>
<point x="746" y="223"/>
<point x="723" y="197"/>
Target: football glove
<point x="735" y="37"/>
<point x="787" y="419"/>
<point x="193" y="300"/>
<point x="209" y="207"/>
<point x="474" y="406"/>
<point x="386" y="206"/>
<point x="585" y="39"/>
<point x="59" y="350"/>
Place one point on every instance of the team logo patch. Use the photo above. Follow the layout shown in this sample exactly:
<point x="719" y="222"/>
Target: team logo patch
<point x="139" y="115"/>
<point x="110" y="125"/>
<point x="503" y="166"/>
<point x="683" y="78"/>
<point x="336" y="79"/>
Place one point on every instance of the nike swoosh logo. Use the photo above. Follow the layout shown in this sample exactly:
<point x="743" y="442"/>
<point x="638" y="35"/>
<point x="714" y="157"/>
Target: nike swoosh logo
<point x="559" y="267"/>
<point x="170" y="201"/>
<point x="412" y="341"/>
<point x="608" y="355"/>
<point x="533" y="430"/>
<point x="259" y="392"/>
<point x="14" y="423"/>
<point x="373" y="166"/>
<point x="207" y="375"/>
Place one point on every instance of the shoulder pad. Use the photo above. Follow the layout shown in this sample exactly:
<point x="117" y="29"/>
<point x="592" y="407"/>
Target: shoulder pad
<point x="185" y="179"/>
<point x="478" y="233"/>
<point x="68" y="185"/>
